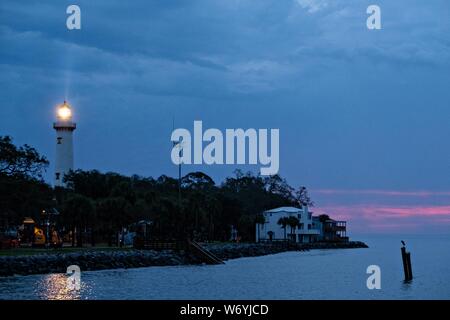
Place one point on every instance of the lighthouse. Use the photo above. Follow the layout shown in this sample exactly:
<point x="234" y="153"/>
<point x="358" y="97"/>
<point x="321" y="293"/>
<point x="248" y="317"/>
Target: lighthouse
<point x="64" y="142"/>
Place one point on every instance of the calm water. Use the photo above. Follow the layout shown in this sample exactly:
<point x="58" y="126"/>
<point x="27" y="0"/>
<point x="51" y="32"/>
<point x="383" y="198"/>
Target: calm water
<point x="324" y="274"/>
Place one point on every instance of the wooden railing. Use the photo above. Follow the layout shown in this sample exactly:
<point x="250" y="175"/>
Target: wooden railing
<point x="159" y="244"/>
<point x="188" y="245"/>
<point x="206" y="255"/>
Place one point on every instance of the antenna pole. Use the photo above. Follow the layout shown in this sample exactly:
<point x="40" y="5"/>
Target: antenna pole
<point x="179" y="165"/>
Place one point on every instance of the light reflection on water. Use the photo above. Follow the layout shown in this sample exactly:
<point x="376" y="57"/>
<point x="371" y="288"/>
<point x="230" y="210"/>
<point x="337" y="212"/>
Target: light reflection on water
<point x="54" y="287"/>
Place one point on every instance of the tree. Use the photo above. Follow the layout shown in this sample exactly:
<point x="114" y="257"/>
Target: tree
<point x="22" y="190"/>
<point x="114" y="214"/>
<point x="124" y="189"/>
<point x="197" y="180"/>
<point x="246" y="226"/>
<point x="206" y="211"/>
<point x="196" y="215"/>
<point x="259" y="220"/>
<point x="283" y="222"/>
<point x="302" y="197"/>
<point x="78" y="211"/>
<point x="92" y="184"/>
<point x="22" y="161"/>
<point x="293" y="222"/>
<point x="324" y="217"/>
<point x="279" y="186"/>
<point x="22" y="197"/>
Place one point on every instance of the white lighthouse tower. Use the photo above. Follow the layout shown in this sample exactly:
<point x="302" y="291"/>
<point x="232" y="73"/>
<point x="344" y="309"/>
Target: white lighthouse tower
<point x="64" y="143"/>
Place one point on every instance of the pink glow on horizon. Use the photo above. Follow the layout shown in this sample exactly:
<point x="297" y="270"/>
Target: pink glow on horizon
<point x="392" y="193"/>
<point x="383" y="218"/>
<point x="386" y="211"/>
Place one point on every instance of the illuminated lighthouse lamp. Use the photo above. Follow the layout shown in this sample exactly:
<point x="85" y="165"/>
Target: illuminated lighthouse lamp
<point x="64" y="111"/>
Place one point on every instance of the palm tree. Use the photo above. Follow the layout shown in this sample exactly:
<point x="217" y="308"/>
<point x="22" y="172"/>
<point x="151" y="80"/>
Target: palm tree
<point x="293" y="222"/>
<point x="283" y="222"/>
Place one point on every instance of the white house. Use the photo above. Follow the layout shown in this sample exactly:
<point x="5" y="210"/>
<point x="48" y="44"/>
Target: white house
<point x="271" y="230"/>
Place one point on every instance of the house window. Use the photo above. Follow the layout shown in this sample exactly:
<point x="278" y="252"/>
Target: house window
<point x="309" y="216"/>
<point x="59" y="140"/>
<point x="299" y="216"/>
<point x="309" y="226"/>
<point x="300" y="226"/>
<point x="57" y="175"/>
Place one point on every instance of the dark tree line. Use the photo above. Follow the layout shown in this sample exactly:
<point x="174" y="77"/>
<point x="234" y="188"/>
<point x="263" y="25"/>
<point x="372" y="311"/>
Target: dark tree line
<point x="104" y="203"/>
<point x="22" y="191"/>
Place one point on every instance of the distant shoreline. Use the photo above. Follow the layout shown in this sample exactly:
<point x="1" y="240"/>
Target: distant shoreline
<point x="98" y="259"/>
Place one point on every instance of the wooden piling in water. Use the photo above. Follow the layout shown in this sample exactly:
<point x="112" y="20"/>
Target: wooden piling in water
<point x="406" y="258"/>
<point x="408" y="261"/>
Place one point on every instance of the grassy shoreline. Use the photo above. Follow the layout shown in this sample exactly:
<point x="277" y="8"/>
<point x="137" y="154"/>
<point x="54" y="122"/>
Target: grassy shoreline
<point x="44" y="251"/>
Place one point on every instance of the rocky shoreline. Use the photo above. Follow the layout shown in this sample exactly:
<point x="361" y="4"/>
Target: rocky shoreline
<point x="226" y="251"/>
<point x="52" y="262"/>
<point x="87" y="260"/>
